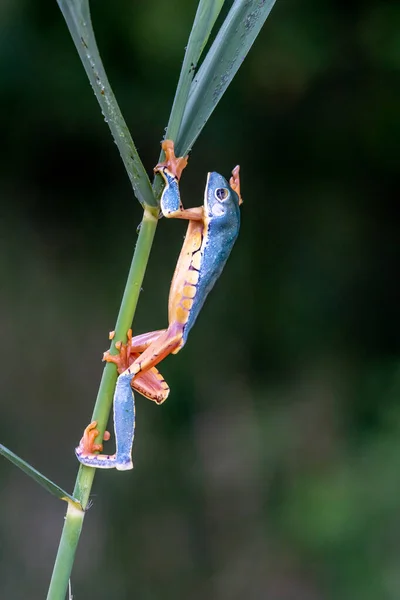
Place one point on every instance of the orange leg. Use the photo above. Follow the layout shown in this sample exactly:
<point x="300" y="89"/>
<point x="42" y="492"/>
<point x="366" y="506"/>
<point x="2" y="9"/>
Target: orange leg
<point x="171" y="170"/>
<point x="141" y="342"/>
<point x="128" y="352"/>
<point x="169" y="342"/>
<point x="150" y="383"/>
<point x="124" y="427"/>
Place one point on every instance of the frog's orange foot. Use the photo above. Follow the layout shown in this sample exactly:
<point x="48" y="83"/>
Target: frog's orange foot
<point x="234" y="182"/>
<point x="87" y="445"/>
<point x="174" y="164"/>
<point x="125" y="356"/>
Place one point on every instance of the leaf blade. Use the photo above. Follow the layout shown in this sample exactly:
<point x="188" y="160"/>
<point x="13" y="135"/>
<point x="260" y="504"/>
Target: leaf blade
<point x="206" y="15"/>
<point x="231" y="45"/>
<point x="77" y="16"/>
<point x="49" y="485"/>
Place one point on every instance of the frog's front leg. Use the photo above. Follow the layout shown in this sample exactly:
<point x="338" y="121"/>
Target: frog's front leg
<point x="171" y="170"/>
<point x="124" y="426"/>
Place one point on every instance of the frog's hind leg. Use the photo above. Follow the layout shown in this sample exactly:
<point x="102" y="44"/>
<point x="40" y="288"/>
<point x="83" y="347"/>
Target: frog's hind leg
<point x="149" y="383"/>
<point x="134" y="346"/>
<point x="141" y="374"/>
<point x="124" y="426"/>
<point x="152" y="385"/>
<point x="169" y="342"/>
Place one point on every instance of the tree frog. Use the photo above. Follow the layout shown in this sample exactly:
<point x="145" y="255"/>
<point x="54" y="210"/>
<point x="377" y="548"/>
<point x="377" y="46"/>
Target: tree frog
<point x="211" y="234"/>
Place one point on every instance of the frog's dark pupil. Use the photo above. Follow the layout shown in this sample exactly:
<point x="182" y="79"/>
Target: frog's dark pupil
<point x="221" y="193"/>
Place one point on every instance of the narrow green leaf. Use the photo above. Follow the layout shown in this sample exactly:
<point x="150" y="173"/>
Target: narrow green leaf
<point x="206" y="15"/>
<point x="77" y="16"/>
<point x="235" y="38"/>
<point x="41" y="479"/>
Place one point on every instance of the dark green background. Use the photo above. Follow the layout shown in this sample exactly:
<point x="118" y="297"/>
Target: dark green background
<point x="273" y="470"/>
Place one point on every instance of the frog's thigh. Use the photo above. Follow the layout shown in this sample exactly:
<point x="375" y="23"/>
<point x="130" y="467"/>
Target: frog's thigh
<point x="139" y="343"/>
<point x="167" y="343"/>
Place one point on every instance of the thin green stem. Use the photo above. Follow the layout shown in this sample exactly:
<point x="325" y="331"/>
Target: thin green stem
<point x="66" y="553"/>
<point x="74" y="517"/>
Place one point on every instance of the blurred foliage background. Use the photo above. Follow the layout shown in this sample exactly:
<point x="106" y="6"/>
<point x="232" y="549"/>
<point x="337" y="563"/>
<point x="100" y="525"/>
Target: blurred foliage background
<point x="273" y="470"/>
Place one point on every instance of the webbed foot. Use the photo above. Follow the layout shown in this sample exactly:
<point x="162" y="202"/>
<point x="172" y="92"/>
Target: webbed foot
<point x="125" y="356"/>
<point x="87" y="445"/>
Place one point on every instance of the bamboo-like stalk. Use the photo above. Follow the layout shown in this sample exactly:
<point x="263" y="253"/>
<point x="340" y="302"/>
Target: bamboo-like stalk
<point x="74" y="517"/>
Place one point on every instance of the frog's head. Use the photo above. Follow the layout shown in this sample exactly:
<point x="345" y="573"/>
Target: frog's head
<point x="222" y="199"/>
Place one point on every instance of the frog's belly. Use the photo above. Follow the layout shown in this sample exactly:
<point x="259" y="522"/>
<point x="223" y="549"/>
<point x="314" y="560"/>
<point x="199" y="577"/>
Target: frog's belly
<point x="184" y="287"/>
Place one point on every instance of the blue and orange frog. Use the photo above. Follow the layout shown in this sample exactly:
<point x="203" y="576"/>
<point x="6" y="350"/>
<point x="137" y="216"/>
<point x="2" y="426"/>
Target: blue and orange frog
<point x="211" y="234"/>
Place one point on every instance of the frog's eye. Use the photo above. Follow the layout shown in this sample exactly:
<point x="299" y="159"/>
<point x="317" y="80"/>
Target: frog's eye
<point x="221" y="194"/>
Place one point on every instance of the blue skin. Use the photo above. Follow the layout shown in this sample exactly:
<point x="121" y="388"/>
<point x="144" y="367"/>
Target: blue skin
<point x="222" y="230"/>
<point x="221" y="222"/>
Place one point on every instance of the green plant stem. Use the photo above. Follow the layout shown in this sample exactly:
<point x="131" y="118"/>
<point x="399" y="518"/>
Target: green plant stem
<point x="74" y="517"/>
